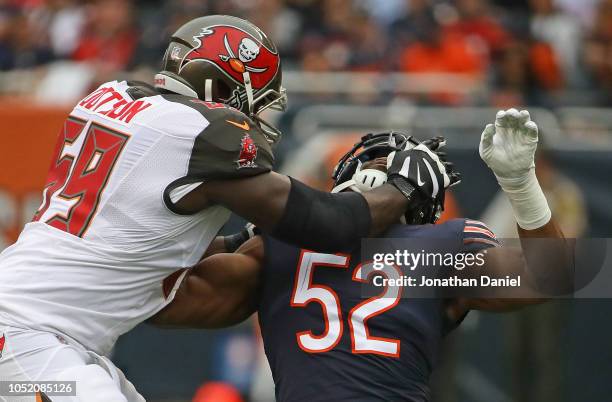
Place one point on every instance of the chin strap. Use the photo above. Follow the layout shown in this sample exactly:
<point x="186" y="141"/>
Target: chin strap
<point x="249" y="91"/>
<point x="208" y="90"/>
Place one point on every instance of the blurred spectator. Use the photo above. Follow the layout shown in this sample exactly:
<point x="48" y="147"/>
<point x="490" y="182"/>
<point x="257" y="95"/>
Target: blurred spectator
<point x="512" y="76"/>
<point x="64" y="21"/>
<point x="435" y="50"/>
<point x="527" y="73"/>
<point x="325" y="45"/>
<point x="598" y="48"/>
<point x="410" y="26"/>
<point x="22" y="43"/>
<point x="477" y="24"/>
<point x="384" y="12"/>
<point x="584" y="10"/>
<point x="158" y="24"/>
<point x="110" y="37"/>
<point x="550" y="25"/>
<point x="281" y="23"/>
<point x="368" y="45"/>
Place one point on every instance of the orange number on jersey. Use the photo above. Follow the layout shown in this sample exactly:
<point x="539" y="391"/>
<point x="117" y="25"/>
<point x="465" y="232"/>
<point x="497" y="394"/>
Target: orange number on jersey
<point x="362" y="342"/>
<point x="77" y="181"/>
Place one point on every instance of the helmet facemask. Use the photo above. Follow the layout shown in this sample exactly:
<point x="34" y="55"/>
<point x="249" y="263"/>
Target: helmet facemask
<point x="258" y="102"/>
<point x="349" y="174"/>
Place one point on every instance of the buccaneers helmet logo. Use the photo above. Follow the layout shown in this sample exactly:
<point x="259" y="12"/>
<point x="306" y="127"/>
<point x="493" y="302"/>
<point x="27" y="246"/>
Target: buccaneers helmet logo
<point x="234" y="51"/>
<point x="248" y="153"/>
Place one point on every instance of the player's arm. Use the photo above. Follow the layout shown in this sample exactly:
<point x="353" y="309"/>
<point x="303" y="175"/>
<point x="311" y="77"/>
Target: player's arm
<point x="290" y="210"/>
<point x="309" y="218"/>
<point x="545" y="259"/>
<point x="232" y="242"/>
<point x="543" y="262"/>
<point x="220" y="291"/>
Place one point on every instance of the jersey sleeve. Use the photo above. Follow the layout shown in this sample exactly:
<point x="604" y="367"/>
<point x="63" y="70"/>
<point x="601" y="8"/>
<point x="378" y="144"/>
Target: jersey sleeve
<point x="232" y="146"/>
<point x="477" y="236"/>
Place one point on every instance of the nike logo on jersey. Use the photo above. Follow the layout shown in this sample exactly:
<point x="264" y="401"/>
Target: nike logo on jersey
<point x="419" y="181"/>
<point x="244" y="125"/>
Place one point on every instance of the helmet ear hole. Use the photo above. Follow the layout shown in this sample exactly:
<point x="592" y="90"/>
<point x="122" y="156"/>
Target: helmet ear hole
<point x="223" y="90"/>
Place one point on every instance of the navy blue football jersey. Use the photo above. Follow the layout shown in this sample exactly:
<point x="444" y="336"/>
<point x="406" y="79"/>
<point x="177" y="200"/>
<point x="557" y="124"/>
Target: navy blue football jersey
<point x="326" y="340"/>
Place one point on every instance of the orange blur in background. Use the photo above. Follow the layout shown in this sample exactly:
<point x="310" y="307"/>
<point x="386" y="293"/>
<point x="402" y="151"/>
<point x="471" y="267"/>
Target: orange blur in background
<point x="29" y="135"/>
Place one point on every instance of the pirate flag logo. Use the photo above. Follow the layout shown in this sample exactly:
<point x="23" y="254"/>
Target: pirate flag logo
<point x="235" y="51"/>
<point x="248" y="153"/>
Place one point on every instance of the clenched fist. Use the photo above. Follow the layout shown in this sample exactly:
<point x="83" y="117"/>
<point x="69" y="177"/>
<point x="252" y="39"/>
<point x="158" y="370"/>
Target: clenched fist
<point x="508" y="147"/>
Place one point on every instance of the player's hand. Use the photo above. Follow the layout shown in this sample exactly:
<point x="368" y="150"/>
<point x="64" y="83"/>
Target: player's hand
<point x="420" y="169"/>
<point x="233" y="242"/>
<point x="436" y="144"/>
<point x="508" y="147"/>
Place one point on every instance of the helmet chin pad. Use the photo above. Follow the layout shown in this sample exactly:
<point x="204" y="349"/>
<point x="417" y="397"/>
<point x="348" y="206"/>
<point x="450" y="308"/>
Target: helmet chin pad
<point x="363" y="180"/>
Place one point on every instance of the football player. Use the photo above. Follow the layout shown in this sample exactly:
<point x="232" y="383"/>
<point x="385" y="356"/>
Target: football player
<point x="323" y="339"/>
<point x="141" y="181"/>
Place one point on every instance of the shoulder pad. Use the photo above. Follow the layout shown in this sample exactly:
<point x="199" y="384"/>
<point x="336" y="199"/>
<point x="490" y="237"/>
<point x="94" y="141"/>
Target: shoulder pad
<point x="231" y="146"/>
<point x="210" y="110"/>
<point x="139" y="89"/>
<point x="477" y="235"/>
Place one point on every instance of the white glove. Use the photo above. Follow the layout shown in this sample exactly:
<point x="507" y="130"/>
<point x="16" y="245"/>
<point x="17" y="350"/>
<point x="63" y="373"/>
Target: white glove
<point x="508" y="148"/>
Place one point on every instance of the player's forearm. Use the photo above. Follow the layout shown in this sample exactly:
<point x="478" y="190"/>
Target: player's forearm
<point x="337" y="222"/>
<point x="549" y="258"/>
<point x="216" y="246"/>
<point x="386" y="205"/>
<point x="547" y="254"/>
<point x="218" y="292"/>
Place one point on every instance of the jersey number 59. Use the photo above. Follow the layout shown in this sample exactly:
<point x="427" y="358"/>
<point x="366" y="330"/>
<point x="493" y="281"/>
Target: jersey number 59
<point x="304" y="292"/>
<point x="78" y="175"/>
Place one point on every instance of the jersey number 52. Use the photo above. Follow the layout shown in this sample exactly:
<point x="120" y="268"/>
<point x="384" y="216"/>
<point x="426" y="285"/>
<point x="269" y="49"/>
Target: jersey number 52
<point x="304" y="292"/>
<point x="78" y="175"/>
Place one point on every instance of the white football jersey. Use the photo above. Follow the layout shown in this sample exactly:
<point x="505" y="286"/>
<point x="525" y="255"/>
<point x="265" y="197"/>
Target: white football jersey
<point x="107" y="248"/>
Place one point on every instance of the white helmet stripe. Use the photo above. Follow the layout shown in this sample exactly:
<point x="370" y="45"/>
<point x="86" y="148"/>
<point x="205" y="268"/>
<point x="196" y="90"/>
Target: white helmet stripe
<point x="405" y="168"/>
<point x="434" y="180"/>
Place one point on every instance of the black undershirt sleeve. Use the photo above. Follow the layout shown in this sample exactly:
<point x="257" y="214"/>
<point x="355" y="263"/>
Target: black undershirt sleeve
<point x="323" y="221"/>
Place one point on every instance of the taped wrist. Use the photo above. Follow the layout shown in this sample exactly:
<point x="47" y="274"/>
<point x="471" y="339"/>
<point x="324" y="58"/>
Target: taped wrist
<point x="323" y="221"/>
<point x="528" y="201"/>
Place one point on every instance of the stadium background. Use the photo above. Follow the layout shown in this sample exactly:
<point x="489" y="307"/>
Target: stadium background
<point x="429" y="67"/>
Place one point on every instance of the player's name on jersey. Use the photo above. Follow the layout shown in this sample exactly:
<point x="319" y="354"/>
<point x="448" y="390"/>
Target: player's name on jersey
<point x="112" y="104"/>
<point x="451" y="281"/>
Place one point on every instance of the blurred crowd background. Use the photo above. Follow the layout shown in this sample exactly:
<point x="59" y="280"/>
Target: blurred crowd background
<point x="544" y="52"/>
<point x="429" y="67"/>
